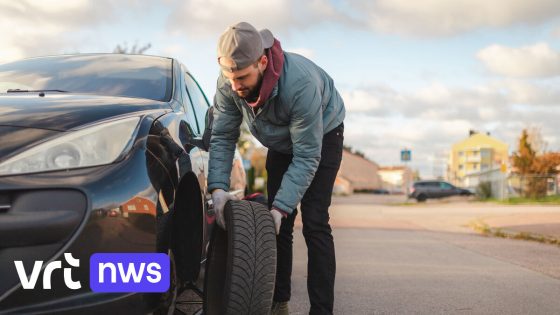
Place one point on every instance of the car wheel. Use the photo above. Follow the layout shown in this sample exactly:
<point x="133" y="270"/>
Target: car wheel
<point x="241" y="265"/>
<point x="421" y="198"/>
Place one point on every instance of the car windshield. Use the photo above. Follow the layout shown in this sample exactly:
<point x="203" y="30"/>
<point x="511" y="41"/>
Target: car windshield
<point x="110" y="74"/>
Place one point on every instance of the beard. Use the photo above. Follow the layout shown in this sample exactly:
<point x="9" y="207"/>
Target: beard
<point x="251" y="94"/>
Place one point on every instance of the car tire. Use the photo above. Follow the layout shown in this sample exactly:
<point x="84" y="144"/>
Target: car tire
<point x="421" y="198"/>
<point x="241" y="267"/>
<point x="167" y="301"/>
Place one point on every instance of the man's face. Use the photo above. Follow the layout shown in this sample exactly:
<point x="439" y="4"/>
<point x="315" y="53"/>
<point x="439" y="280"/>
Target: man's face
<point x="245" y="82"/>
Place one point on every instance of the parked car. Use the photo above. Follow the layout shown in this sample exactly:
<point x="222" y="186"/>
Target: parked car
<point x="101" y="153"/>
<point x="423" y="190"/>
<point x="380" y="191"/>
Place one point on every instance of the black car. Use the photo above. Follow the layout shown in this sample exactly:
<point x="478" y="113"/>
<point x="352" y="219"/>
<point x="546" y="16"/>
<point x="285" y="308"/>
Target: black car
<point x="423" y="190"/>
<point x="380" y="191"/>
<point x="100" y="153"/>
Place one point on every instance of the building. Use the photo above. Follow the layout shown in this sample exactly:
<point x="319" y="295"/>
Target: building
<point x="360" y="173"/>
<point x="396" y="179"/>
<point x="138" y="205"/>
<point x="342" y="186"/>
<point x="477" y="154"/>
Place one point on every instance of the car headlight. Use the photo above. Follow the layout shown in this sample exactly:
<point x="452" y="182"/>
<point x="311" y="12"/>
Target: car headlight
<point x="97" y="145"/>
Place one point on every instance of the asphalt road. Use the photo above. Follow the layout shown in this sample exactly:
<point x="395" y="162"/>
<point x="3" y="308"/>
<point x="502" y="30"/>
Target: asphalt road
<point x="423" y="259"/>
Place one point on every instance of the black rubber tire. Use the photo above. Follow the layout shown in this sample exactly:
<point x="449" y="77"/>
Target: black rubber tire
<point x="166" y="301"/>
<point x="421" y="198"/>
<point x="241" y="265"/>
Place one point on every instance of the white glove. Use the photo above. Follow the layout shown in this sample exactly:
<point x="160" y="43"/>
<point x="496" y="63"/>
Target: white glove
<point x="277" y="218"/>
<point x="219" y="199"/>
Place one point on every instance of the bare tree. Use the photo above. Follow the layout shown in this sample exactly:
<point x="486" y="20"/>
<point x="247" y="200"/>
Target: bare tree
<point x="535" y="139"/>
<point x="134" y="50"/>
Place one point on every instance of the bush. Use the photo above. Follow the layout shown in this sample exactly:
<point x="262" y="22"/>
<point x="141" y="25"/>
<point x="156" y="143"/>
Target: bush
<point x="484" y="190"/>
<point x="536" y="187"/>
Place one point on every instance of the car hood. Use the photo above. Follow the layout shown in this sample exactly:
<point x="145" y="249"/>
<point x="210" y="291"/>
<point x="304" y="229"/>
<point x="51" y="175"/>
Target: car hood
<point x="62" y="112"/>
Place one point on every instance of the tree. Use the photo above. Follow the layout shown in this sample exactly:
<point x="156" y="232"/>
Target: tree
<point x="533" y="167"/>
<point x="524" y="158"/>
<point x="542" y="168"/>
<point x="134" y="50"/>
<point x="547" y="163"/>
<point x="535" y="138"/>
<point x="354" y="151"/>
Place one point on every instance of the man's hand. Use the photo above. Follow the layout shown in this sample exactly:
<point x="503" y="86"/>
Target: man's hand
<point x="277" y="216"/>
<point x="219" y="199"/>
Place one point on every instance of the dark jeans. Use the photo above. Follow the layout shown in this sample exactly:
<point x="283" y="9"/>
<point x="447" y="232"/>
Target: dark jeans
<point x="321" y="264"/>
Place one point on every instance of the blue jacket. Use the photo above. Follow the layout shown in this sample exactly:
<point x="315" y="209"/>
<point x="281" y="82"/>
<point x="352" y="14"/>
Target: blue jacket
<point x="303" y="106"/>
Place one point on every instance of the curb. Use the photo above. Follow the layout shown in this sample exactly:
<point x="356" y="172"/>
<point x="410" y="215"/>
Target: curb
<point x="483" y="228"/>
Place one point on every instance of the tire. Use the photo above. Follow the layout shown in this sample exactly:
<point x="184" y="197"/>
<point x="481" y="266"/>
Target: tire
<point x="166" y="303"/>
<point x="241" y="265"/>
<point x="421" y="198"/>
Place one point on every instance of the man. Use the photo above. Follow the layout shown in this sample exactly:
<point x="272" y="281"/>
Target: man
<point x="292" y="107"/>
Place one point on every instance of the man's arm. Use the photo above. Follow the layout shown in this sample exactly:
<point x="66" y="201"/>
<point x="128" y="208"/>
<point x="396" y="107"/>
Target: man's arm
<point x="306" y="131"/>
<point x="225" y="133"/>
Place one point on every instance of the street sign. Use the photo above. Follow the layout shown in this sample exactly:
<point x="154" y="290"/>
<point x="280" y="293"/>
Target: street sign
<point x="503" y="168"/>
<point x="406" y="155"/>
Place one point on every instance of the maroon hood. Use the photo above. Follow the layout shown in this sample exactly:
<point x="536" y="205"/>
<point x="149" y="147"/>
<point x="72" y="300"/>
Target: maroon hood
<point x="271" y="73"/>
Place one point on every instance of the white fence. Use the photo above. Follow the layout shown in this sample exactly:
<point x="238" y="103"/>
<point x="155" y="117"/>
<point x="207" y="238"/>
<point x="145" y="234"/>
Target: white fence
<point x="504" y="185"/>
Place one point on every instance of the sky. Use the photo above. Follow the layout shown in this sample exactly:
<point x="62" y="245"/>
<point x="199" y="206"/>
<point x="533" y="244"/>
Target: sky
<point x="413" y="74"/>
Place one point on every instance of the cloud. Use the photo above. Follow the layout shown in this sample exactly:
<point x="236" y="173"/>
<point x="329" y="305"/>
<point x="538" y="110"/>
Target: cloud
<point x="50" y="23"/>
<point x="438" y="101"/>
<point x="306" y="52"/>
<point x="435" y="101"/>
<point x="538" y="60"/>
<point x="433" y="18"/>
<point x="43" y="27"/>
<point x="555" y="33"/>
<point x="35" y="27"/>
<point x="209" y="18"/>
<point x="372" y="100"/>
<point x="173" y="50"/>
<point x="384" y="138"/>
<point x="430" y="119"/>
<point x="421" y="18"/>
<point x="527" y="93"/>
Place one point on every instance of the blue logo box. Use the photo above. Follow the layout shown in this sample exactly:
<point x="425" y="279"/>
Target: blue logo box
<point x="129" y="272"/>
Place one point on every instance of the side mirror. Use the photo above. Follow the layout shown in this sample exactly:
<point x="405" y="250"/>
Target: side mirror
<point x="188" y="138"/>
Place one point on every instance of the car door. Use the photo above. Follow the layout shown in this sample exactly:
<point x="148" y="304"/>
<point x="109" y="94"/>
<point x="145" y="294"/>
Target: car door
<point x="446" y="189"/>
<point x="433" y="189"/>
<point x="192" y="127"/>
<point x="196" y="106"/>
<point x="199" y="105"/>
